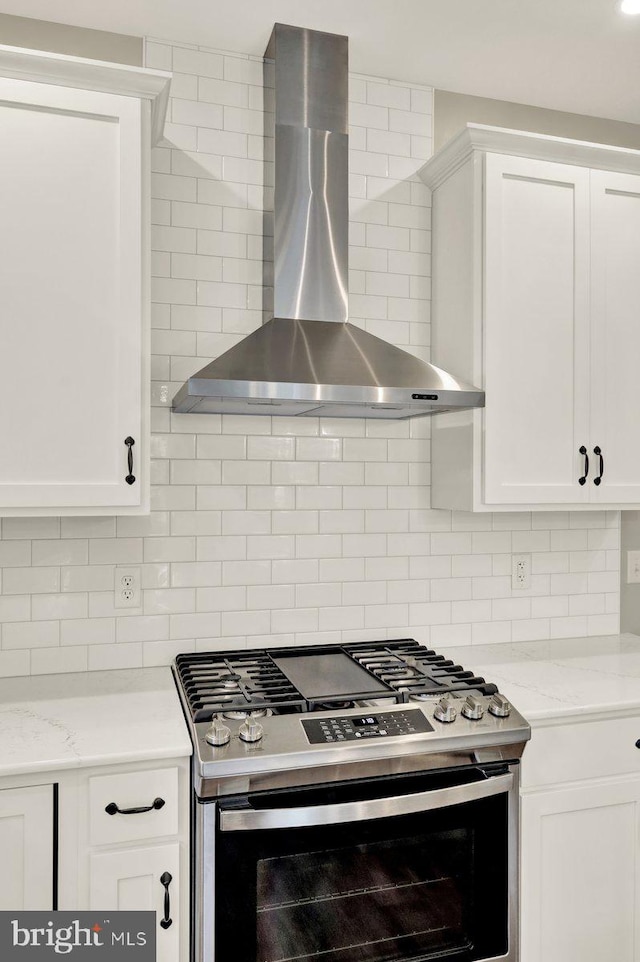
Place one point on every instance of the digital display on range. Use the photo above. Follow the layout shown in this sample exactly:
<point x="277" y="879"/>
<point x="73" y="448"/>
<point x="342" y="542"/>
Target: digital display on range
<point x="357" y="728"/>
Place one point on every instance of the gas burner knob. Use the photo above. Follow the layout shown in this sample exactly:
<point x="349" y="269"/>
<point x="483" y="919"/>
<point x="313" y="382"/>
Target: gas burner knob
<point x="218" y="734"/>
<point x="250" y="730"/>
<point x="499" y="706"/>
<point x="444" y="711"/>
<point x="473" y="708"/>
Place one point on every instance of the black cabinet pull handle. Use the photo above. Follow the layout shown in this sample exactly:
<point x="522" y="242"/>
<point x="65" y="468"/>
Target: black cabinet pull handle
<point x="112" y="808"/>
<point x="165" y="879"/>
<point x="130" y="478"/>
<point x="583" y="452"/>
<point x="598" y="453"/>
<point x="638" y="743"/>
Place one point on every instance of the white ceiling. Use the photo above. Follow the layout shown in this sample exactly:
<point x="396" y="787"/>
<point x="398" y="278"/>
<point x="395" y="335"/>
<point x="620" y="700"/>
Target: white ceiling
<point x="576" y="55"/>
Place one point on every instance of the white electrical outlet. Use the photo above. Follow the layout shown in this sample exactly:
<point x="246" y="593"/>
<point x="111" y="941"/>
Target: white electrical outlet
<point x="520" y="572"/>
<point x="127" y="588"/>
<point x="633" y="567"/>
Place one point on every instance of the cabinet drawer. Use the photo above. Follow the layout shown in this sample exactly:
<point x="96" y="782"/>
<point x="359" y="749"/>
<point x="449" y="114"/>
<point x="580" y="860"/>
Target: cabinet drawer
<point x="133" y="790"/>
<point x="573" y="752"/>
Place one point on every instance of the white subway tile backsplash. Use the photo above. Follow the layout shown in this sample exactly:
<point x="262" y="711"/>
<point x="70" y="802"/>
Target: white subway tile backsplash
<point x="197" y="62"/>
<point x="15" y="553"/>
<point x="90" y="631"/>
<point x="223" y="92"/>
<point x="60" y="552"/>
<point x="15" y="608"/>
<point x="493" y="632"/>
<point x="261" y="572"/>
<point x="288" y="530"/>
<point x="184" y="86"/>
<point x="196" y="163"/>
<point x="162" y="601"/>
<point x="107" y="657"/>
<point x="49" y="607"/>
<point x="28" y="528"/>
<point x="19" y="581"/>
<point x="31" y="634"/>
<point x="15" y="663"/>
<point x="116" y="551"/>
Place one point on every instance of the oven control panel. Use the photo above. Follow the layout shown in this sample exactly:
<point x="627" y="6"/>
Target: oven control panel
<point x="350" y="728"/>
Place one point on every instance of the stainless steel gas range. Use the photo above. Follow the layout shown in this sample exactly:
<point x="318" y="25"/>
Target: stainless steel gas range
<point x="351" y="804"/>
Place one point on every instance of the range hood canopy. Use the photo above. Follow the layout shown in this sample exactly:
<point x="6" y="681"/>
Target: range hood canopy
<point x="308" y="360"/>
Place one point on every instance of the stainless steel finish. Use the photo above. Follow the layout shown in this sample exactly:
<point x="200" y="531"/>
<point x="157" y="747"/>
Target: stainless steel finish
<point x="513" y="869"/>
<point x="260" y="819"/>
<point x="218" y="733"/>
<point x="284" y="758"/>
<point x="311" y="253"/>
<point x="499" y="706"/>
<point x="307" y="361"/>
<point x="312" y="368"/>
<point x="204" y="887"/>
<point x="445" y="711"/>
<point x="473" y="708"/>
<point x="250" y="730"/>
<point x="311" y="77"/>
<point x="205" y="892"/>
<point x="213" y="787"/>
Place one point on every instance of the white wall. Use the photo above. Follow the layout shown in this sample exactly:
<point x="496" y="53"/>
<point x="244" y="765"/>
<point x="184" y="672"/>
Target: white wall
<point x="274" y="530"/>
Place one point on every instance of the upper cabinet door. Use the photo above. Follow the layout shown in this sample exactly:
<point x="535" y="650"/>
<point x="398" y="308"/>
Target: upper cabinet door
<point x="615" y="319"/>
<point x="536" y="330"/>
<point x="75" y="138"/>
<point x="71" y="326"/>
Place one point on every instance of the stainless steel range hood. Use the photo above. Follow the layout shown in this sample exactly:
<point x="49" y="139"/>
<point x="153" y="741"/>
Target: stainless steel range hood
<point x="308" y="360"/>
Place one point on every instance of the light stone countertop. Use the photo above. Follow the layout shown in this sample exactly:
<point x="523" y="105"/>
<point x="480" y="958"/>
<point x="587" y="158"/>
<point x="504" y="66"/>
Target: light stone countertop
<point x="561" y="679"/>
<point x="53" y="722"/>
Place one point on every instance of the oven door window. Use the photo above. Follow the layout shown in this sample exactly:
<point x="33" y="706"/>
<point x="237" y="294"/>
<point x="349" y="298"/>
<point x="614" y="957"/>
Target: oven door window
<point x="409" y="888"/>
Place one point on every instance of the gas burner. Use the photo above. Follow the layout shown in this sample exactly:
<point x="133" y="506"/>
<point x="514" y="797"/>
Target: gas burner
<point x="423" y="696"/>
<point x="240" y="714"/>
<point x="229" y="681"/>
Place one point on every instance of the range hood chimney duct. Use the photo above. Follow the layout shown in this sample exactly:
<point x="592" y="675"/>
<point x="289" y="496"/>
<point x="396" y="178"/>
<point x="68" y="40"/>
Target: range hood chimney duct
<point x="307" y="360"/>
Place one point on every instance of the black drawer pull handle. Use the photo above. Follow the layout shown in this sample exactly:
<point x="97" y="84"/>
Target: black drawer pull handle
<point x="165" y="879"/>
<point x="130" y="478"/>
<point x="598" y="453"/>
<point x="112" y="808"/>
<point x="583" y="452"/>
<point x="638" y="743"/>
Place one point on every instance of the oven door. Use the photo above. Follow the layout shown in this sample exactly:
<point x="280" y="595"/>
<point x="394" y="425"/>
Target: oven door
<point x="402" y="869"/>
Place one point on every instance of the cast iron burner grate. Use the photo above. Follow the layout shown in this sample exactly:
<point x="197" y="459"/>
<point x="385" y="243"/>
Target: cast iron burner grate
<point x="412" y="670"/>
<point x="234" y="681"/>
<point x="249" y="680"/>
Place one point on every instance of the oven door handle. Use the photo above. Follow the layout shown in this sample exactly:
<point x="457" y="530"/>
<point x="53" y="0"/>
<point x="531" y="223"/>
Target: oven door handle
<point x="251" y="820"/>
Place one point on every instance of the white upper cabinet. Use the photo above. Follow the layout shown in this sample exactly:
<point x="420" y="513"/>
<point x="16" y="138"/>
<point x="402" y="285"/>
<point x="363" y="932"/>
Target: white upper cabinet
<point x="536" y="294"/>
<point x="75" y="138"/>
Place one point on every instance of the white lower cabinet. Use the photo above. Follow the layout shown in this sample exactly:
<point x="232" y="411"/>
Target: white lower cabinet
<point x="123" y="844"/>
<point x="134" y="847"/>
<point x="142" y="879"/>
<point x="26" y="848"/>
<point x="581" y="871"/>
<point x="580" y="856"/>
